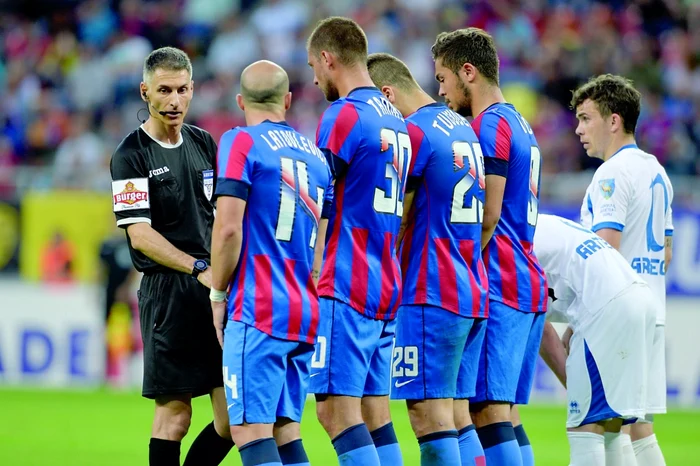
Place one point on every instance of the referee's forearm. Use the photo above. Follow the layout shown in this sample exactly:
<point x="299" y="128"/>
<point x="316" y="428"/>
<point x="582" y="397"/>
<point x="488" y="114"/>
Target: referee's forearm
<point x="226" y="245"/>
<point x="151" y="243"/>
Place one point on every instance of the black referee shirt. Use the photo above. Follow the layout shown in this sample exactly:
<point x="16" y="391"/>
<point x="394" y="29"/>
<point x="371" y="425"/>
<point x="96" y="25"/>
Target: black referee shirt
<point x="168" y="186"/>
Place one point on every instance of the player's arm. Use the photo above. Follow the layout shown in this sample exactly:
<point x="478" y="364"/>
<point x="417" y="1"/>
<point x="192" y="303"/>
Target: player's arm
<point x="553" y="352"/>
<point x="668" y="233"/>
<point x="235" y="172"/>
<point x="226" y="240"/>
<point x="609" y="196"/>
<point x="318" y="249"/>
<point x="495" y="188"/>
<point x="668" y="252"/>
<point x="129" y="174"/>
<point x="338" y="136"/>
<point x="494" y="138"/>
<point x="421" y="152"/>
<point x="612" y="236"/>
<point x="407" y="215"/>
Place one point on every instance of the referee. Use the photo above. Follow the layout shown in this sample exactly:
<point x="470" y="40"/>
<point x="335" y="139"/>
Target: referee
<point x="162" y="185"/>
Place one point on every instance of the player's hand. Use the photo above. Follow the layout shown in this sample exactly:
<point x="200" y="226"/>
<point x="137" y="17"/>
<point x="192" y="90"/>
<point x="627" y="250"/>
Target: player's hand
<point x="566" y="338"/>
<point x="205" y="278"/>
<point x="218" y="311"/>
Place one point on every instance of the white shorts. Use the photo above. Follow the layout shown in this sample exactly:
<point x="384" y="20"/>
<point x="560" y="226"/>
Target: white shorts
<point x="607" y="370"/>
<point x="656" y="389"/>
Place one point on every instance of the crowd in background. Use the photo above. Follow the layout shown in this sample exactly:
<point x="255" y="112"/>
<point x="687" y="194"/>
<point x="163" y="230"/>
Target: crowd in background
<point x="70" y="70"/>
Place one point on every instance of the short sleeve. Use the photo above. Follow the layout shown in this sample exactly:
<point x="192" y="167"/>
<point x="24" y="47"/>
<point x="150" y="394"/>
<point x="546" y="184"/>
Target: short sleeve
<point x="131" y="201"/>
<point x="234" y="164"/>
<point x="587" y="210"/>
<point x="609" y="196"/>
<point x="668" y="229"/>
<point x="495" y="137"/>
<point x="328" y="197"/>
<point x="339" y="133"/>
<point x="421" y="150"/>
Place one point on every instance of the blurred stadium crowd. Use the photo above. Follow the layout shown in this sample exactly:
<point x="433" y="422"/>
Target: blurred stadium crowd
<point x="70" y="70"/>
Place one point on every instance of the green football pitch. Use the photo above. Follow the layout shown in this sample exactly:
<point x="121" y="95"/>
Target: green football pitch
<point x="59" y="428"/>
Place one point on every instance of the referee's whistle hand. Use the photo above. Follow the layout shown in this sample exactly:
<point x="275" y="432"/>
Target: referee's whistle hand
<point x="218" y="311"/>
<point x="205" y="278"/>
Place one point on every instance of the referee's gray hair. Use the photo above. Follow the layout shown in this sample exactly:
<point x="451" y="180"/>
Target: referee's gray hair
<point x="166" y="58"/>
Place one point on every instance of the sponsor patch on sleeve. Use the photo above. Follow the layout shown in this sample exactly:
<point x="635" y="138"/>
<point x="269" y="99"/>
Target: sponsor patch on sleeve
<point x="130" y="194"/>
<point x="607" y="187"/>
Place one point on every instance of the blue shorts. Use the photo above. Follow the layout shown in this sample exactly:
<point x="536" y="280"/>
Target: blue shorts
<point x="469" y="367"/>
<point x="265" y="378"/>
<point x="429" y="350"/>
<point x="509" y="355"/>
<point x="353" y="352"/>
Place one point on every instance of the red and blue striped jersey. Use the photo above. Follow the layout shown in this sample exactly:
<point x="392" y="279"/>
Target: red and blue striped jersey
<point x="441" y="250"/>
<point x="366" y="141"/>
<point x="510" y="150"/>
<point x="285" y="180"/>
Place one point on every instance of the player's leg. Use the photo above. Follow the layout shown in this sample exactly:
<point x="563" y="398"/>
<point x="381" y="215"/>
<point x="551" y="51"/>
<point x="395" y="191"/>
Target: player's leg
<point x="522" y="395"/>
<point x="644" y="443"/>
<point x="428" y="351"/>
<point x="345" y="344"/>
<point x="287" y="430"/>
<point x="470" y="449"/>
<point x="507" y="334"/>
<point x="375" y="402"/>
<point x="170" y="425"/>
<point x="255" y="370"/>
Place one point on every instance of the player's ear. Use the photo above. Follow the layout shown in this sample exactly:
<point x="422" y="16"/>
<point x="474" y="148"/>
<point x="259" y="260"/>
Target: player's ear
<point x="327" y="58"/>
<point x="389" y="94"/>
<point x="467" y="73"/>
<point x="239" y="101"/>
<point x="144" y="91"/>
<point x="287" y="100"/>
<point x="615" y="122"/>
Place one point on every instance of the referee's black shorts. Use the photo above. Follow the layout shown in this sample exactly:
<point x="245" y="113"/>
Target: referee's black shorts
<point x="180" y="350"/>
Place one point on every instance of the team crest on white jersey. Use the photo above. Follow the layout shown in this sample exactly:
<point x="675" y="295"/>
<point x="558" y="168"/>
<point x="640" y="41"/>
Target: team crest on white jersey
<point x="208" y="183"/>
<point x="607" y="187"/>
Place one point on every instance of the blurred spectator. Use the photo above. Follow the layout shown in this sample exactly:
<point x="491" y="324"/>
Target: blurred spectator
<point x="87" y="61"/>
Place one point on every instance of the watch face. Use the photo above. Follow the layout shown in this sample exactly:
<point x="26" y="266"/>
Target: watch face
<point x="200" y="265"/>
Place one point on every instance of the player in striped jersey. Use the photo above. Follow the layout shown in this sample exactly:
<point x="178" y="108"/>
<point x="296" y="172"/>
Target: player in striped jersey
<point x="466" y="66"/>
<point x="272" y="184"/>
<point x="366" y="140"/>
<point x="441" y="321"/>
<point x="628" y="203"/>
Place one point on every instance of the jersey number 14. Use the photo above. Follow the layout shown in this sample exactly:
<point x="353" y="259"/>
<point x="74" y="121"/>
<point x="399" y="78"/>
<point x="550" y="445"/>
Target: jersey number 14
<point x="295" y="190"/>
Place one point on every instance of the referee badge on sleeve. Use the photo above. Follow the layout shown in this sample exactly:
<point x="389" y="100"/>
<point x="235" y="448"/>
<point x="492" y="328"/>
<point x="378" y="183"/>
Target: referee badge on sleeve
<point x="130" y="194"/>
<point x="208" y="183"/>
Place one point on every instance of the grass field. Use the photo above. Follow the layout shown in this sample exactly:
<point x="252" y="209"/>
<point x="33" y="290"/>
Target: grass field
<point x="40" y="428"/>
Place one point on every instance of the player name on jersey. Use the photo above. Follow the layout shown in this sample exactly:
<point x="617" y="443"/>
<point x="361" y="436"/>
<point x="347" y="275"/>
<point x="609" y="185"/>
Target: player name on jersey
<point x="278" y="139"/>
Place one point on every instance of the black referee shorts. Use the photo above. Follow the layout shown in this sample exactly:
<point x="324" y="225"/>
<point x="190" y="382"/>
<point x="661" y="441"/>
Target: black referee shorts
<point x="180" y="350"/>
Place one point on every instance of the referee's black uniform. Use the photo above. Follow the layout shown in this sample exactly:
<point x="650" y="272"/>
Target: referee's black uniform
<point x="170" y="187"/>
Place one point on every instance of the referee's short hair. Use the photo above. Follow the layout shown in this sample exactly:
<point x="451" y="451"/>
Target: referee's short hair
<point x="166" y="58"/>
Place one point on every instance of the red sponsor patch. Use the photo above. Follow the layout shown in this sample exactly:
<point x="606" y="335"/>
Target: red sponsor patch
<point x="130" y="195"/>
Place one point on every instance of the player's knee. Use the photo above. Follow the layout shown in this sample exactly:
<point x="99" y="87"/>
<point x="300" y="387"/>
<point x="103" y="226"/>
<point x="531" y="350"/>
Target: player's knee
<point x="324" y="413"/>
<point x="172" y="423"/>
<point x="428" y="416"/>
<point x="179" y="423"/>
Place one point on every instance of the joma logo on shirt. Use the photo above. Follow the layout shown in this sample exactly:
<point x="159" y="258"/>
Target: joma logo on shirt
<point x="158" y="171"/>
<point x="130" y="195"/>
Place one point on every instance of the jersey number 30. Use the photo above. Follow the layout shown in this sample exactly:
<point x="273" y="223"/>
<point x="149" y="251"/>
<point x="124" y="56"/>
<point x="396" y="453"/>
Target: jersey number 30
<point x="391" y="202"/>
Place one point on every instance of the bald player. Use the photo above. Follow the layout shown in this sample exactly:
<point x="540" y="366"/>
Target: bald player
<point x="266" y="262"/>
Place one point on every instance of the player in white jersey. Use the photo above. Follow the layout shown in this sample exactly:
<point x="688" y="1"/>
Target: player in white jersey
<point x="612" y="312"/>
<point x="628" y="204"/>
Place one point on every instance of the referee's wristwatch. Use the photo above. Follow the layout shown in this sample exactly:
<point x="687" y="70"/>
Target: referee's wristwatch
<point x="200" y="265"/>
